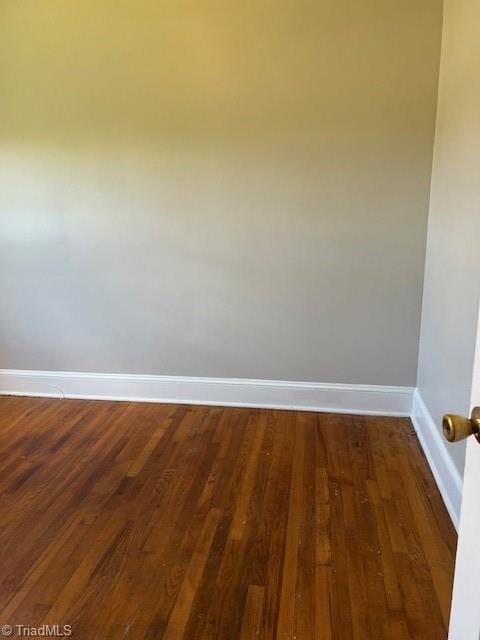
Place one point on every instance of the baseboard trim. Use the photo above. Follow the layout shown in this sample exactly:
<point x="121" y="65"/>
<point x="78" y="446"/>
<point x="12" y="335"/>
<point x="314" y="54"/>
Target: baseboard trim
<point x="446" y="474"/>
<point x="271" y="394"/>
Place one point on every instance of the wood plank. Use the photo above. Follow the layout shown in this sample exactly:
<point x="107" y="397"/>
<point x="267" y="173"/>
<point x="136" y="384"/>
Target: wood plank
<point x="286" y="614"/>
<point x="252" y="617"/>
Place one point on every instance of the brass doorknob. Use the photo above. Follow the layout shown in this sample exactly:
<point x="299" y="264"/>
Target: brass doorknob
<point x="456" y="428"/>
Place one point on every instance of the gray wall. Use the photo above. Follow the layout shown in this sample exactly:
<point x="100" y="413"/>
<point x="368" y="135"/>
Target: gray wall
<point x="219" y="189"/>
<point x="452" y="276"/>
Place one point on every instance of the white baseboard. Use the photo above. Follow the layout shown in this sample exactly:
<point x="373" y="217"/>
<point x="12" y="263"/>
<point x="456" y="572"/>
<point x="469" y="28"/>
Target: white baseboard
<point x="447" y="476"/>
<point x="272" y="394"/>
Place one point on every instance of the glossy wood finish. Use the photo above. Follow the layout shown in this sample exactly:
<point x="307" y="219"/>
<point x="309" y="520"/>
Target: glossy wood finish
<point x="160" y="521"/>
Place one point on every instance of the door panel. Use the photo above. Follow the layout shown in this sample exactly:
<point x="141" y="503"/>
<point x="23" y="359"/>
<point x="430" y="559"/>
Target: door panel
<point x="465" y="617"/>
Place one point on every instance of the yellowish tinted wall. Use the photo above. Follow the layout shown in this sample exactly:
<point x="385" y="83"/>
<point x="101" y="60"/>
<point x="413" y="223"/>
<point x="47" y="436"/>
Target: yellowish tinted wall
<point x="218" y="188"/>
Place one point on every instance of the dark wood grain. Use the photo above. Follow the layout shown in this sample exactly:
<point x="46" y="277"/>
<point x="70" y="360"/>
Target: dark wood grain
<point x="143" y="521"/>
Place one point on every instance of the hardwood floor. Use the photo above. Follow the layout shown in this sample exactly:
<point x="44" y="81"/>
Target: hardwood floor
<point x="160" y="521"/>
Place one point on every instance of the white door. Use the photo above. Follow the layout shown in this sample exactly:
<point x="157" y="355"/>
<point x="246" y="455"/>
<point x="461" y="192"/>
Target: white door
<point x="465" y="616"/>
